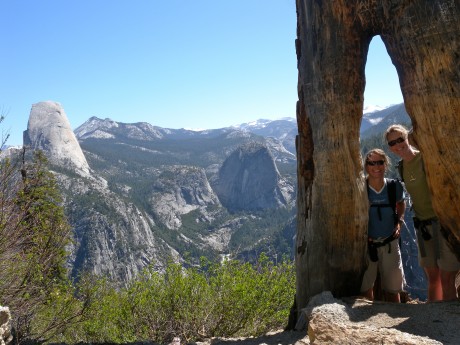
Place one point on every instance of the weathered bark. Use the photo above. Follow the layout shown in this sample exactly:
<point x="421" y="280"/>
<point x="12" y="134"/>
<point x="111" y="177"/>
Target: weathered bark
<point x="425" y="48"/>
<point x="422" y="39"/>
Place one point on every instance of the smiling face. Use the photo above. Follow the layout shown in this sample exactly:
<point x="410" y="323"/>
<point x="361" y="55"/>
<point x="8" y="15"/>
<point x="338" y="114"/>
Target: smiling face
<point x="376" y="165"/>
<point x="398" y="143"/>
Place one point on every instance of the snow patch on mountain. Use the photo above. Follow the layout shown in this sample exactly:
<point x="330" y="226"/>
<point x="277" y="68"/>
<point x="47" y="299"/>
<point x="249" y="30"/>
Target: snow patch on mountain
<point x="375" y="120"/>
<point x="261" y="123"/>
<point x="372" y="108"/>
<point x="372" y="115"/>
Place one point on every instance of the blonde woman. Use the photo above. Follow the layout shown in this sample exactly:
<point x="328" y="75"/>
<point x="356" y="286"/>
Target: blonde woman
<point x="435" y="256"/>
<point x="386" y="214"/>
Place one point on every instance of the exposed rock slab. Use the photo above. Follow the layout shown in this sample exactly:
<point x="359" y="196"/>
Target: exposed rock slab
<point x="249" y="180"/>
<point x="49" y="130"/>
<point x="179" y="190"/>
<point x="358" y="321"/>
<point x="5" y="326"/>
<point x="355" y="321"/>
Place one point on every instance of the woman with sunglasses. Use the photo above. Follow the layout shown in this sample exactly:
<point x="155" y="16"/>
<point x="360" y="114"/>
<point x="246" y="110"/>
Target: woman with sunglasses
<point x="435" y="256"/>
<point x="386" y="212"/>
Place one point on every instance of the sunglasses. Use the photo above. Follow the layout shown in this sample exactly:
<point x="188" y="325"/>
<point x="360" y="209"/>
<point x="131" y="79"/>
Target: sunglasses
<point x="396" y="141"/>
<point x="375" y="163"/>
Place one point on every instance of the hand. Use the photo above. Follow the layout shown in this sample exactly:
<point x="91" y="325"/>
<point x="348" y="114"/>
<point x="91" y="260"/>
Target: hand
<point x="397" y="231"/>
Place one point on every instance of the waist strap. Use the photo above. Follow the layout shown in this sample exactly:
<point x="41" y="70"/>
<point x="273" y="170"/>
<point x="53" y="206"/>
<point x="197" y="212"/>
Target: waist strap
<point x="424" y="235"/>
<point x="372" y="245"/>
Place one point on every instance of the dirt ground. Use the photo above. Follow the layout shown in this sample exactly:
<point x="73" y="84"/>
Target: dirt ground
<point x="273" y="338"/>
<point x="439" y="321"/>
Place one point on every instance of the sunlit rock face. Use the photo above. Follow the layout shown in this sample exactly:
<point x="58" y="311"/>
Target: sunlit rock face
<point x="49" y="130"/>
<point x="357" y="321"/>
<point x="249" y="180"/>
<point x="179" y="190"/>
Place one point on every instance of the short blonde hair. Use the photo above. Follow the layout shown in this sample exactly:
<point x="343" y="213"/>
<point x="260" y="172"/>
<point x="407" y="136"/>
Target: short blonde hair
<point x="397" y="128"/>
<point x="379" y="152"/>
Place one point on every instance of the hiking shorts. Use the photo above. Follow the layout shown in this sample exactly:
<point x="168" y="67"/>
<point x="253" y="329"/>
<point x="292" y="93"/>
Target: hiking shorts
<point x="435" y="252"/>
<point x="390" y="267"/>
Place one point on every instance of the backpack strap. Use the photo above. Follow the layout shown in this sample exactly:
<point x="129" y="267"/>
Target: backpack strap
<point x="399" y="167"/>
<point x="391" y="189"/>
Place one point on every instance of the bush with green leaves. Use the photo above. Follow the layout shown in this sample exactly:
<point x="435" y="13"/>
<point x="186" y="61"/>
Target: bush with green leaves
<point x="229" y="298"/>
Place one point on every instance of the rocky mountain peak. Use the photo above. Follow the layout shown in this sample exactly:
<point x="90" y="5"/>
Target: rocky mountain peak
<point x="49" y="130"/>
<point x="108" y="129"/>
<point x="249" y="180"/>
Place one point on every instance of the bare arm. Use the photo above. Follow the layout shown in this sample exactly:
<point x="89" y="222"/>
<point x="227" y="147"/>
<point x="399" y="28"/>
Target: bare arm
<point x="400" y="209"/>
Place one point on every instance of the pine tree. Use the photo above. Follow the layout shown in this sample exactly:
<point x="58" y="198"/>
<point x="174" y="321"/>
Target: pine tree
<point x="34" y="234"/>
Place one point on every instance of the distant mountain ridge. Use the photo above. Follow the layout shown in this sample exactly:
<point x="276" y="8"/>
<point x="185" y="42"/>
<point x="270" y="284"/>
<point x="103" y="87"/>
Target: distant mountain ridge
<point x="375" y="119"/>
<point x="284" y="130"/>
<point x="97" y="128"/>
<point x="375" y="123"/>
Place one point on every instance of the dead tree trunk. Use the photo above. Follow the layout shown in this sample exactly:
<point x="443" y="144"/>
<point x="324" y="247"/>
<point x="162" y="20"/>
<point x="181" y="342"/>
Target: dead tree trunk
<point x="422" y="39"/>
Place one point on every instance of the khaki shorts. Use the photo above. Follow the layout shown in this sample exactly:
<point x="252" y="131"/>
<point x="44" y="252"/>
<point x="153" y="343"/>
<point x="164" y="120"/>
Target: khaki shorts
<point x="390" y="268"/>
<point x="437" y="252"/>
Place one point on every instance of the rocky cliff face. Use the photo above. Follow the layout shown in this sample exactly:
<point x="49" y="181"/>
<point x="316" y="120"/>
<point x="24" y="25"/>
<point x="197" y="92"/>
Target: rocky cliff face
<point x="49" y="130"/>
<point x="113" y="237"/>
<point x="249" y="180"/>
<point x="179" y="190"/>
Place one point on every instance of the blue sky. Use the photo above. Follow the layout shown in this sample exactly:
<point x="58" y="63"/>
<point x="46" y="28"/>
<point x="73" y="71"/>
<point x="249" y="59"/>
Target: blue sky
<point x="171" y="63"/>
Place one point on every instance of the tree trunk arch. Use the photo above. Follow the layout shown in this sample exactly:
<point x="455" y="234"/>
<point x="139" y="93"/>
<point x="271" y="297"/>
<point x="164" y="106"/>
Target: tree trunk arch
<point x="422" y="38"/>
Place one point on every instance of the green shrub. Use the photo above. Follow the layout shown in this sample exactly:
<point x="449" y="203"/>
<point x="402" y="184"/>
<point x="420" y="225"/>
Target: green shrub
<point x="231" y="298"/>
<point x="251" y="300"/>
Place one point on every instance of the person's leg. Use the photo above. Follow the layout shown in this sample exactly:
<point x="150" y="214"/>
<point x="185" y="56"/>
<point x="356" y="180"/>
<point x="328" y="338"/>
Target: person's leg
<point x="392" y="297"/>
<point x="392" y="272"/>
<point x="429" y="262"/>
<point x="367" y="285"/>
<point x="449" y="267"/>
<point x="434" y="284"/>
<point x="457" y="284"/>
<point x="369" y="294"/>
<point x="449" y="292"/>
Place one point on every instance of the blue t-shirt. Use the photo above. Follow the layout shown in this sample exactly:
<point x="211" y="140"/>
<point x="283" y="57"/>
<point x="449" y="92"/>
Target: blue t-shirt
<point x="382" y="226"/>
